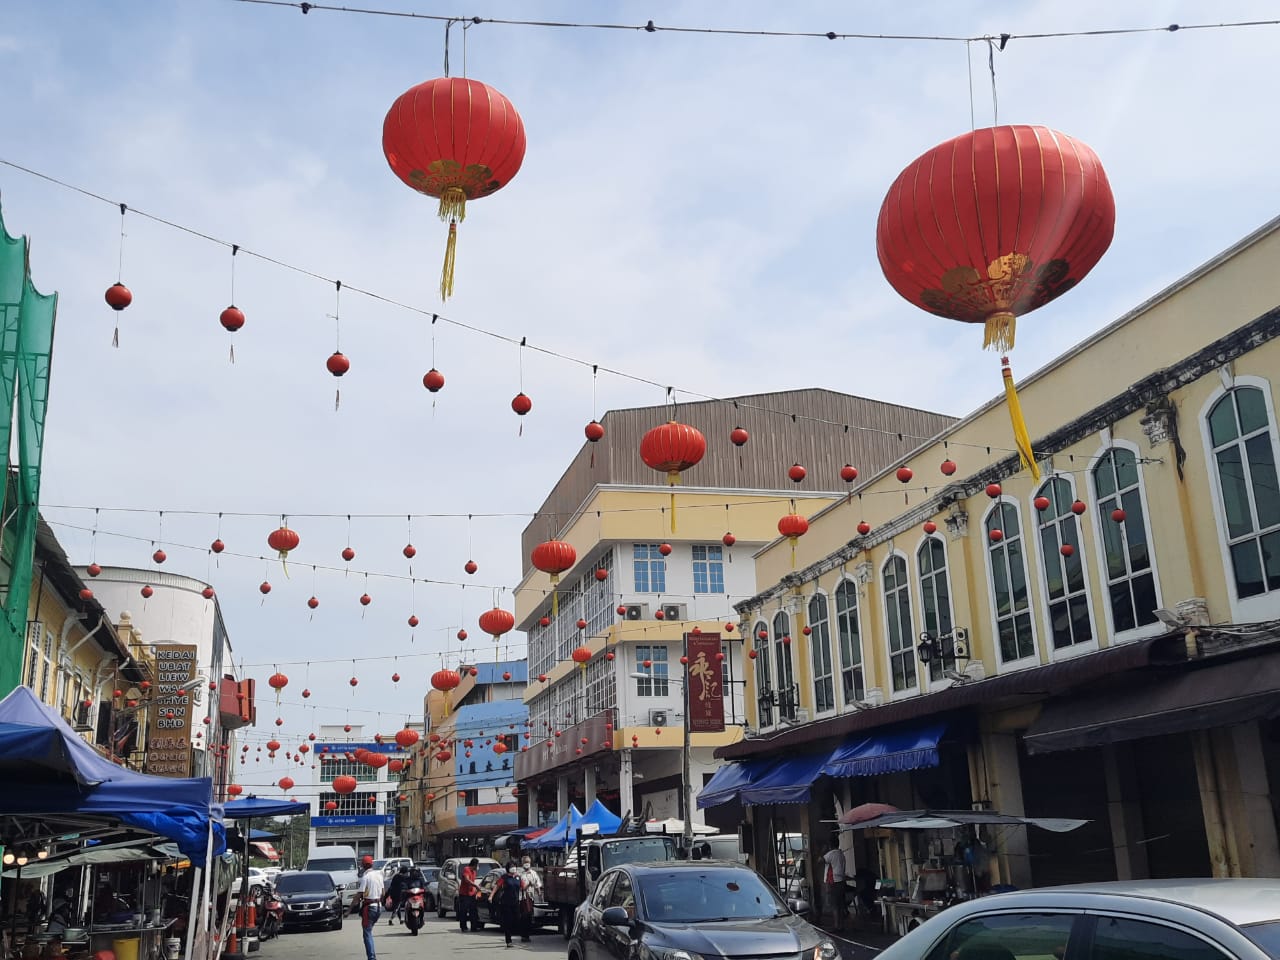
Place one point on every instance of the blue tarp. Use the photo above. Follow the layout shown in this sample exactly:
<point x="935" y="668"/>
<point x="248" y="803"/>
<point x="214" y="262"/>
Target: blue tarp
<point x="251" y="807"/>
<point x="726" y="784"/>
<point x="60" y="773"/>
<point x="560" y="834"/>
<point x="887" y="752"/>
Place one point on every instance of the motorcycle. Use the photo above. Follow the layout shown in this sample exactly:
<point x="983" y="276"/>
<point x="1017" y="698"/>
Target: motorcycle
<point x="271" y="915"/>
<point x="415" y="908"/>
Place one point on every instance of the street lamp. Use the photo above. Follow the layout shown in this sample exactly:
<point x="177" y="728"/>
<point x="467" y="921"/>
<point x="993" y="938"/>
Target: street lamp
<point x="686" y="833"/>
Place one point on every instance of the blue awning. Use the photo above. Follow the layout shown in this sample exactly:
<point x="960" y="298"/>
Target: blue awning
<point x="889" y="752"/>
<point x="728" y="782"/>
<point x="760" y="782"/>
<point x="247" y="808"/>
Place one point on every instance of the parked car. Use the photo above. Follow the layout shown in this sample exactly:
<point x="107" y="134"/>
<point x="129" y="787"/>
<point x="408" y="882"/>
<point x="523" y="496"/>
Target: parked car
<point x="310" y="899"/>
<point x="692" y="908"/>
<point x="391" y="865"/>
<point x="1126" y="920"/>
<point x="451" y="876"/>
<point x="257" y="881"/>
<point x="340" y="863"/>
<point x="431" y="873"/>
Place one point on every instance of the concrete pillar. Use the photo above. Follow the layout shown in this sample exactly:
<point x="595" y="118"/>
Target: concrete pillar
<point x="1245" y="797"/>
<point x="531" y="803"/>
<point x="1004" y="783"/>
<point x="588" y="786"/>
<point x="626" y="795"/>
<point x="1221" y="842"/>
<point x="1125" y="812"/>
<point x="562" y="795"/>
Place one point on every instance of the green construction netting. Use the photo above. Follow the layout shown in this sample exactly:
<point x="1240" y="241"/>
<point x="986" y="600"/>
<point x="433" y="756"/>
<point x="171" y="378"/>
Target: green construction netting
<point x="26" y="350"/>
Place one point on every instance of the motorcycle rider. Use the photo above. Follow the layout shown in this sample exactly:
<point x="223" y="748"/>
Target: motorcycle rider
<point x="396" y="895"/>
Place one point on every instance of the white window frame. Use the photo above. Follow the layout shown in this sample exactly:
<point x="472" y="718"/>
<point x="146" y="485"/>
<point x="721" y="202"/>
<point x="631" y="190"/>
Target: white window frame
<point x="922" y="669"/>
<point x="1032" y="660"/>
<point x="910" y="628"/>
<point x="1100" y="517"/>
<point x="653" y="677"/>
<point x="651" y="562"/>
<point x="762" y="670"/>
<point x="1042" y="578"/>
<point x="710" y="563"/>
<point x="779" y="650"/>
<point x="862" y="650"/>
<point x="832" y="655"/>
<point x="1267" y="605"/>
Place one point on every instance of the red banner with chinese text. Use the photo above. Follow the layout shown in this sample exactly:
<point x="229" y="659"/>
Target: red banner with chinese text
<point x="705" y="677"/>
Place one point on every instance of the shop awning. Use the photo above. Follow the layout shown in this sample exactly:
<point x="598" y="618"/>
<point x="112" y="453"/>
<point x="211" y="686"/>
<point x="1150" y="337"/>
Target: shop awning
<point x="727" y="783"/>
<point x="945" y="819"/>
<point x="760" y="782"/>
<point x="889" y="752"/>
<point x="248" y="808"/>
<point x="1210" y="696"/>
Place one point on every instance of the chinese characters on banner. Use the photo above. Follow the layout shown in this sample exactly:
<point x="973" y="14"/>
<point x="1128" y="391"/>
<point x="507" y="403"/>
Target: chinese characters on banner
<point x="169" y="738"/>
<point x="706" y="682"/>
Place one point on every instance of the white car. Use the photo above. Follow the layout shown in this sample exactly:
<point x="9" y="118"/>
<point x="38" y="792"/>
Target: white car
<point x="1127" y="920"/>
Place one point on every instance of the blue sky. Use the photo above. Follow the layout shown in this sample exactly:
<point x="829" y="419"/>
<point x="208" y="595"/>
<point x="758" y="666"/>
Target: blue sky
<point x="699" y="210"/>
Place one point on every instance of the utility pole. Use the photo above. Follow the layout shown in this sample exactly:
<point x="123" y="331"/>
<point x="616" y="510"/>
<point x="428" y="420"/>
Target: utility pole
<point x="686" y="838"/>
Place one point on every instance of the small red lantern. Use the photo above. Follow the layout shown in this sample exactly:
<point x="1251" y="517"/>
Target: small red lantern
<point x="521" y="404"/>
<point x="544" y="621"/>
<point x="159" y="556"/>
<point x="797" y="473"/>
<point x="312" y="602"/>
<point x="433" y="380"/>
<point x="948" y="467"/>
<point x="582" y="624"/>
<point x="664" y="549"/>
<point x="930" y="527"/>
<point x="684" y="661"/>
<point x="365" y="599"/>
<point x="659" y="614"/>
<point x="234" y="789"/>
<point x="345" y="784"/>
<point x="337" y="364"/>
<point x="609" y="656"/>
<point x="331" y="805"/>
<point x="602" y="575"/>
<point x="232" y="318"/>
<point x="354" y="682"/>
<point x="264" y="588"/>
<point x="647" y="664"/>
<point x="542" y="678"/>
<point x="728" y="628"/>
<point x="506" y="675"/>
<point x="1041" y="503"/>
<point x="207" y="593"/>
<point x="282" y="540"/>
<point x="93" y="570"/>
<point x="217" y="546"/>
<point x="461" y="634"/>
<point x="146" y="592"/>
<point x="286" y="783"/>
<point x="406" y="737"/>
<point x="993" y="490"/>
<point x="348" y="554"/>
<point x="594" y="431"/>
<point x="622" y="610"/>
<point x="728" y="539"/>
<point x="904" y="474"/>
<point x="863" y="528"/>
<point x="1078" y="507"/>
<point x="346" y="728"/>
<point x="395" y="678"/>
<point x="1067" y="550"/>
<point x="786" y="640"/>
<point x="496" y="622"/>
<point x="118" y="296"/>
<point x="739" y="437"/>
<point x="86" y="594"/>
<point x="996" y="536"/>
<point x="848" y="473"/>
<point x="1118" y="515"/>
<point x="673" y="448"/>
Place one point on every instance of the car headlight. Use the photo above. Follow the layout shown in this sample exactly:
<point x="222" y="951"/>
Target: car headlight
<point x="826" y="950"/>
<point x="660" y="953"/>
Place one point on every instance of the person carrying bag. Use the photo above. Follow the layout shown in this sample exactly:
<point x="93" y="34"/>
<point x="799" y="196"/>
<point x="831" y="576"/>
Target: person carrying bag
<point x="507" y="897"/>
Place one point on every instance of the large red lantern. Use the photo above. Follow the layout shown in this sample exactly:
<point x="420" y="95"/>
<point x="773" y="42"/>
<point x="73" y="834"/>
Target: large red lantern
<point x="444" y="756"/>
<point x="444" y="681"/>
<point x="345" y="785"/>
<point x="406" y="737"/>
<point x="234" y="789"/>
<point x="553" y="557"/>
<point x="581" y="656"/>
<point x="277" y="682"/>
<point x="673" y="448"/>
<point x="457" y="140"/>
<point x="992" y="225"/>
<point x="282" y="540"/>
<point x="496" y="622"/>
<point x="793" y="527"/>
<point x="286" y="783"/>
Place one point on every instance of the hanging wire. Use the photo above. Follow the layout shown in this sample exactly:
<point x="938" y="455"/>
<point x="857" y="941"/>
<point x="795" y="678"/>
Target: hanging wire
<point x="120" y="262"/>
<point x="968" y="60"/>
<point x="448" y="25"/>
<point x="991" y="65"/>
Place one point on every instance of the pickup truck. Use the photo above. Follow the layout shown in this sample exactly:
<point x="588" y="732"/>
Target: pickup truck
<point x="566" y="886"/>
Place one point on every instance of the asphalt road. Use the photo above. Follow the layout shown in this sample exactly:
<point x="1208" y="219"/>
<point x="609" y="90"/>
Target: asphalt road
<point x="440" y="938"/>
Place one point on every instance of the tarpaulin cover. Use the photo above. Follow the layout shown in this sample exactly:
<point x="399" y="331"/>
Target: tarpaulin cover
<point x="888" y="752"/>
<point x="561" y="833"/>
<point x="60" y="773"/>
<point x="727" y="783"/>
<point x="248" y="808"/>
<point x="759" y="782"/>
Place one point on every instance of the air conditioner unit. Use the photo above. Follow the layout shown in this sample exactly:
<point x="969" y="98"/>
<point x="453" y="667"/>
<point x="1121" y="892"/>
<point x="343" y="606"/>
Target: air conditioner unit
<point x="657" y="718"/>
<point x="960" y="649"/>
<point x="673" y="611"/>
<point x="637" y="611"/>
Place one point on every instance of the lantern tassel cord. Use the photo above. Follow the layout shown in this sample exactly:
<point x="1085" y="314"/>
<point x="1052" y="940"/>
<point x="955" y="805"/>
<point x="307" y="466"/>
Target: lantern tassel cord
<point x="1021" y="438"/>
<point x="450" y="252"/>
<point x="233" y="353"/>
<point x="998" y="331"/>
<point x="115" y="337"/>
<point x="673" y="478"/>
<point x="337" y="400"/>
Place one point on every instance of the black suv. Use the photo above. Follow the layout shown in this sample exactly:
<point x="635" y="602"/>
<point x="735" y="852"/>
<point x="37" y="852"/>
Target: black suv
<point x="310" y="899"/>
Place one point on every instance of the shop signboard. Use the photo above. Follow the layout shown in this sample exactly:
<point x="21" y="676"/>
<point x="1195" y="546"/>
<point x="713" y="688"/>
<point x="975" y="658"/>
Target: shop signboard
<point x="169" y="714"/>
<point x="360" y="820"/>
<point x="705" y="677"/>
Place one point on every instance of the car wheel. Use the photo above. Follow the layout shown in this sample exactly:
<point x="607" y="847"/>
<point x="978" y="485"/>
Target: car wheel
<point x="566" y="923"/>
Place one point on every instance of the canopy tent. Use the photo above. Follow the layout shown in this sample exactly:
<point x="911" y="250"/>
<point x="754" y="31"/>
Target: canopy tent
<point x="61" y="773"/>
<point x="250" y="808"/>
<point x="602" y="817"/>
<point x="941" y="819"/>
<point x="558" y="835"/>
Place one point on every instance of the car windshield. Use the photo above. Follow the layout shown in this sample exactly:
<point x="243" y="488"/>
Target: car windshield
<point x="305" y="883"/>
<point x="691" y="896"/>
<point x="338" y="863"/>
<point x="639" y="850"/>
<point x="430" y="873"/>
<point x="1265" y="935"/>
<point x="485" y="869"/>
<point x="379" y="864"/>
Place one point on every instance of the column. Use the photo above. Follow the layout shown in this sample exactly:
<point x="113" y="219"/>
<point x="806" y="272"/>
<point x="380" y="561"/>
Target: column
<point x="1248" y="804"/>
<point x="1221" y="842"/>
<point x="626" y="796"/>
<point x="562" y="794"/>
<point x="588" y="786"/>
<point x="1004" y="782"/>
<point x="531" y="802"/>
<point x="1125" y="812"/>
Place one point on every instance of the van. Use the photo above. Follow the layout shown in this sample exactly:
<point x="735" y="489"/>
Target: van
<point x="340" y="863"/>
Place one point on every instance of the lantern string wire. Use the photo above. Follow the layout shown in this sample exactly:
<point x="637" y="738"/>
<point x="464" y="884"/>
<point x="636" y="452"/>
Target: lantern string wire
<point x="991" y="65"/>
<point x="120" y="263"/>
<point x="651" y="27"/>
<point x="968" y="59"/>
<point x="522" y="342"/>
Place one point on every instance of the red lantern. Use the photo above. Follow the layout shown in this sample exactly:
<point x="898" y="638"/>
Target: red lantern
<point x="395" y="678"/>
<point x="409" y="551"/>
<point x="456" y="140"/>
<point x="684" y="661"/>
<point x="312" y="602"/>
<point x="331" y="805"/>
<point x="217" y="546"/>
<point x="346" y="727"/>
<point x="521" y="404"/>
<point x="848" y="473"/>
<point x="992" y="225"/>
<point x="348" y="554"/>
<point x="264" y="588"/>
<point x="146" y="592"/>
<point x="232" y="318"/>
<point x="365" y="599"/>
<point x="621" y="610"/>
<point x="118" y="296"/>
<point x="470" y="566"/>
<point x="344" y="784"/>
<point x="159" y="556"/>
<point x="207" y="593"/>
<point x="948" y="467"/>
<point x="1078" y="507"/>
<point x="461" y="635"/>
<point x="930" y="527"/>
<point x="413" y="620"/>
<point x="728" y="628"/>
<point x="796" y="473"/>
<point x="594" y="431"/>
<point x="304" y="748"/>
<point x="506" y="675"/>
<point x="445" y="681"/>
<point x="728" y="539"/>
<point x="1118" y="515"/>
<point x="86" y="594"/>
<point x="433" y="380"/>
<point x="444" y="756"/>
<point x="993" y="490"/>
<point x="93" y="570"/>
<point x="1041" y="503"/>
<point x="581" y="656"/>
<point x="793" y="527"/>
<point x="337" y="364"/>
<point x="659" y="614"/>
<point x="496" y="622"/>
<point x="582" y="624"/>
<point x="602" y="575"/>
<point x="282" y="540"/>
<point x="553" y="557"/>
<point x="286" y="783"/>
<point x="499" y="748"/>
<point x="904" y="474"/>
<point x="739" y="437"/>
<point x="273" y="745"/>
<point x="277" y="682"/>
<point x="609" y="656"/>
<point x="234" y="789"/>
<point x="996" y="536"/>
<point x="1067" y="550"/>
<point x="673" y="448"/>
<point x="406" y="737"/>
<point x="664" y="549"/>
<point x="544" y="621"/>
<point x="863" y="528"/>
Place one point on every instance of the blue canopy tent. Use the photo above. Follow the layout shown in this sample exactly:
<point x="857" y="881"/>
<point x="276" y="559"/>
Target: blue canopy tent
<point x="559" y="835"/>
<point x="249" y="808"/>
<point x="602" y="817"/>
<point x="61" y="774"/>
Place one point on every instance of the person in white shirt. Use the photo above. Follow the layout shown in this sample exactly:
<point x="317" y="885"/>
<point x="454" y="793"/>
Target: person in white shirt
<point x="370" y="893"/>
<point x="833" y="877"/>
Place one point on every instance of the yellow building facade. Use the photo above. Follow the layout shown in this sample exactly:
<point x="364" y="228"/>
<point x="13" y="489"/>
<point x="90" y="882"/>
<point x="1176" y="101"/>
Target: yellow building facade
<point x="1035" y="619"/>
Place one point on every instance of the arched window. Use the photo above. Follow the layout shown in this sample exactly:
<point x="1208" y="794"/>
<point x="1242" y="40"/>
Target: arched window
<point x="935" y="600"/>
<point x="1131" y="584"/>
<point x="787" y="699"/>
<point x="1243" y="442"/>
<point x="764" y="675"/>
<point x="824" y="685"/>
<point x="1009" y="593"/>
<point x="1064" y="577"/>
<point x="850" y="636"/>
<point x="897" y="612"/>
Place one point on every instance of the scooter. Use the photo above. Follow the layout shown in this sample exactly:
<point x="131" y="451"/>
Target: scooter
<point x="272" y="913"/>
<point x="415" y="908"/>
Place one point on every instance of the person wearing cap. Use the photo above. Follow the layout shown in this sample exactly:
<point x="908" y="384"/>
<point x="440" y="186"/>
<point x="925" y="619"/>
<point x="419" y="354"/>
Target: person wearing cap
<point x="369" y="903"/>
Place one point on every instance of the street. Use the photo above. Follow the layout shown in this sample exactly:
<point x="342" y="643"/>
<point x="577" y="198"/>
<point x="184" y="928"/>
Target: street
<point x="440" y="937"/>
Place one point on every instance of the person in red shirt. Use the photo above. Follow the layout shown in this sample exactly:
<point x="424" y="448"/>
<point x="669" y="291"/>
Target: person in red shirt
<point x="468" y="892"/>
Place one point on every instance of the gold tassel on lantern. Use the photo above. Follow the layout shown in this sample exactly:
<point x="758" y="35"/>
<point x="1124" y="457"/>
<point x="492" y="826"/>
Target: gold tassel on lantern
<point x="453" y="208"/>
<point x="1021" y="438"/>
<point x="555" y="595"/>
<point x="998" y="331"/>
<point x="673" y="479"/>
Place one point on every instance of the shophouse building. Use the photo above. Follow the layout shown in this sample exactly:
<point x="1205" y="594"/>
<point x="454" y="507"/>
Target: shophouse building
<point x="654" y="564"/>
<point x="1100" y="643"/>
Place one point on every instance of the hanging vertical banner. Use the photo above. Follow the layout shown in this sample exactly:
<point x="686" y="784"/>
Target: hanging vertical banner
<point x="170" y="712"/>
<point x="705" y="677"/>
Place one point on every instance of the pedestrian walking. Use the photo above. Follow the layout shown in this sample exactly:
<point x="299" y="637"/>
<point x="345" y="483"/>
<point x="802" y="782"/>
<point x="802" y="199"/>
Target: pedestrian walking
<point x="369" y="903"/>
<point x="506" y="898"/>
<point x="530" y="895"/>
<point x="833" y="876"/>
<point x="468" y="893"/>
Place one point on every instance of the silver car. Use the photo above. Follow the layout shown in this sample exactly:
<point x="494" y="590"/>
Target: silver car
<point x="451" y="878"/>
<point x="1128" y="920"/>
